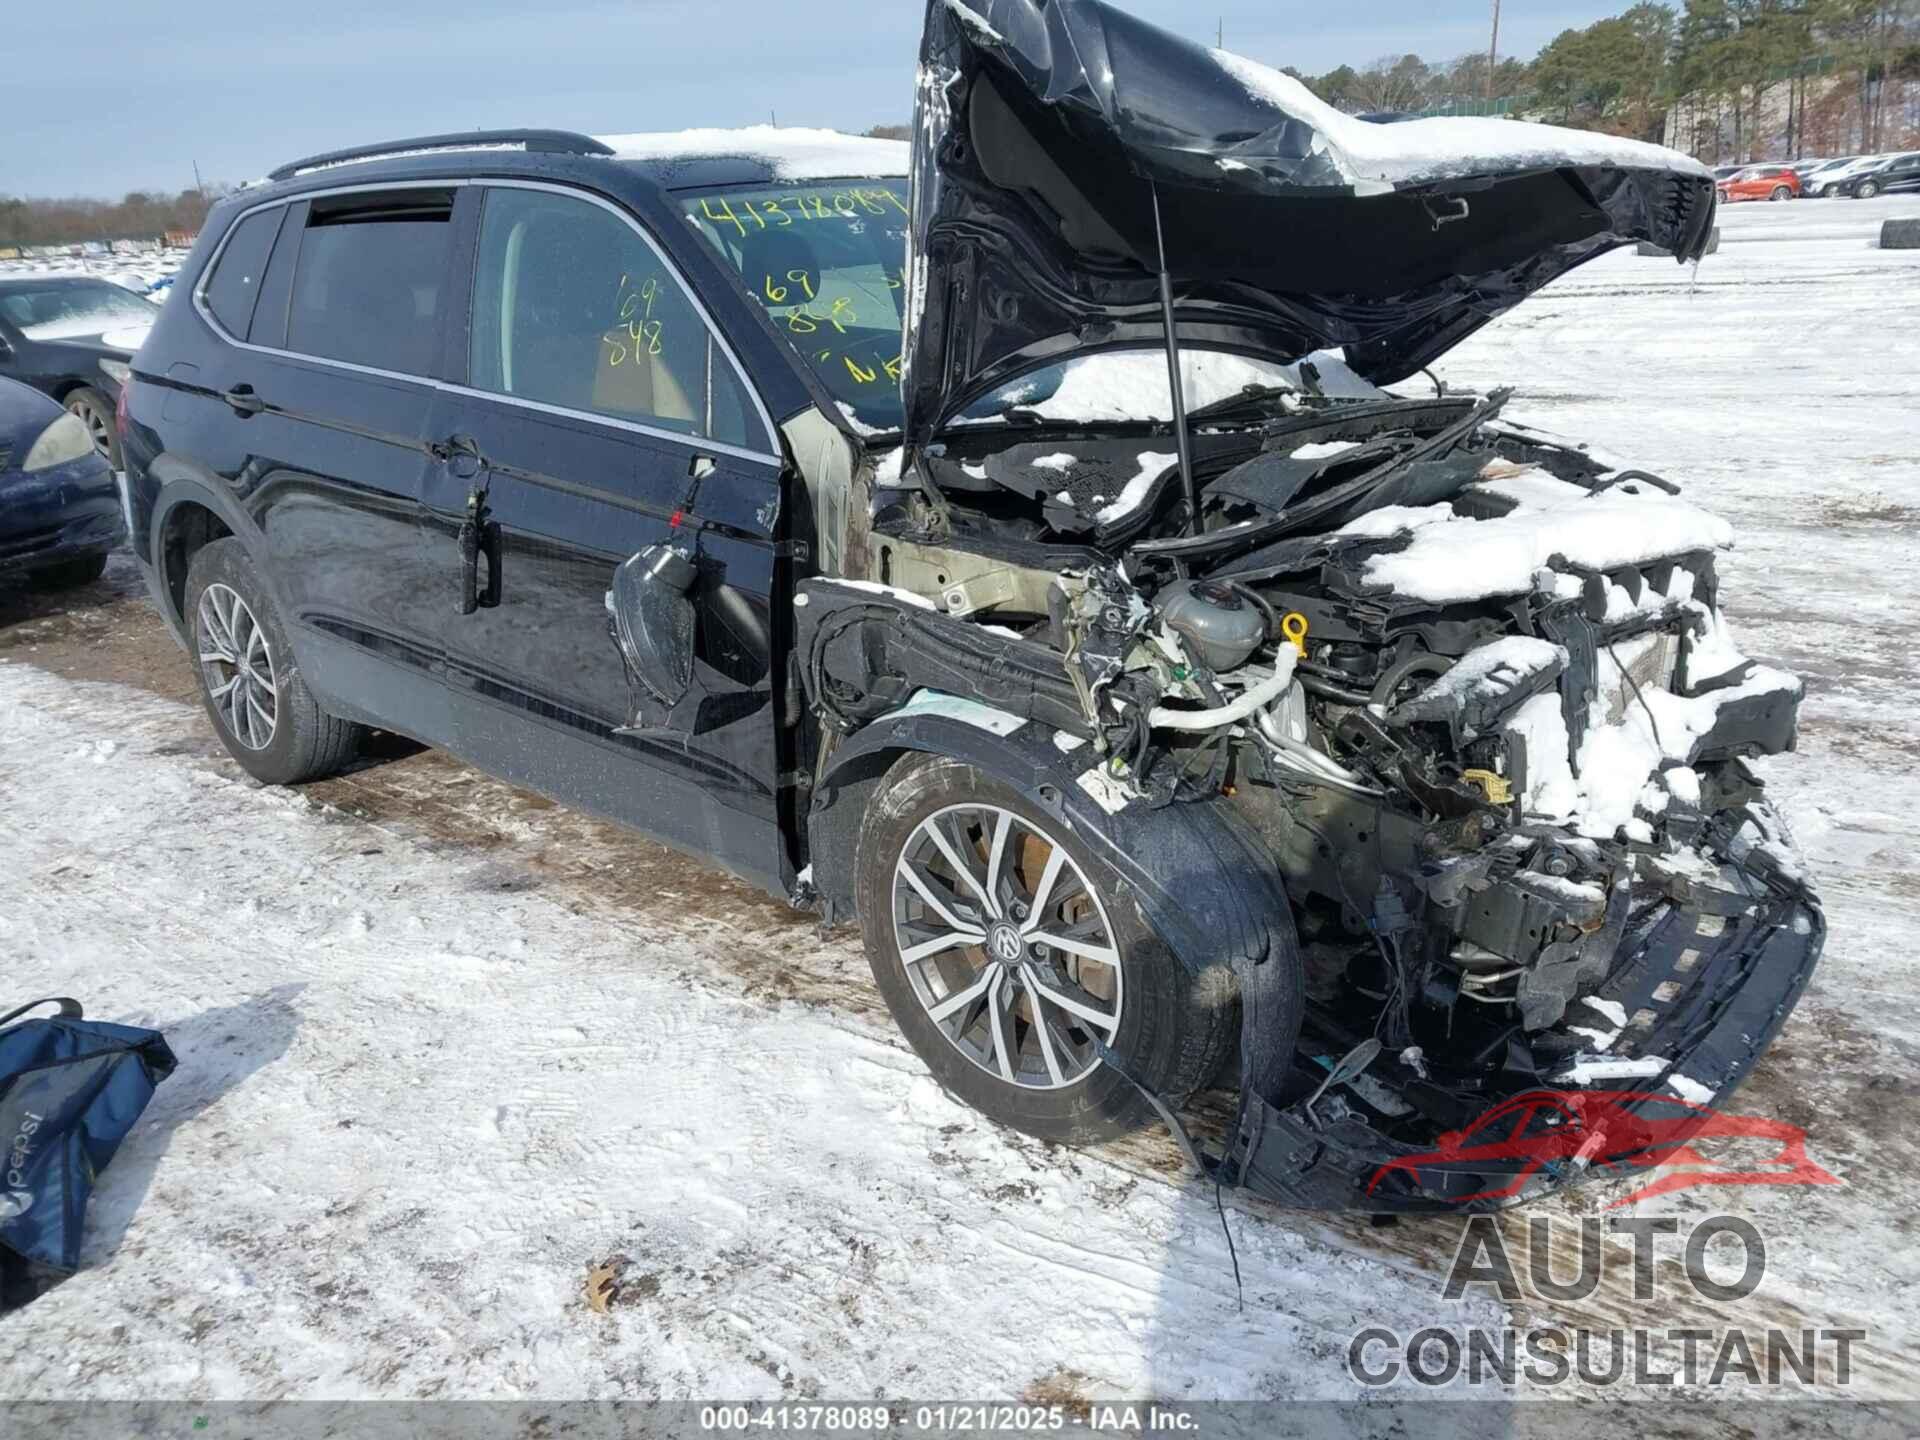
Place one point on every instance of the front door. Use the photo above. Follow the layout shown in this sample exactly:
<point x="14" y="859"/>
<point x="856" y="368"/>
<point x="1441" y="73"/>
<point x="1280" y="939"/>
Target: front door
<point x="601" y="416"/>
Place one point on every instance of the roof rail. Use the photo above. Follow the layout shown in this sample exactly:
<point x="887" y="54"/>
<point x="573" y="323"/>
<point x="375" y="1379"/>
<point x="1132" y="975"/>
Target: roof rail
<point x="534" y="142"/>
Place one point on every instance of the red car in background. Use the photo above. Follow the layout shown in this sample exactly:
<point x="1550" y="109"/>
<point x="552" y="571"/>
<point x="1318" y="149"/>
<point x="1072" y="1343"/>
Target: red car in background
<point x="1760" y="182"/>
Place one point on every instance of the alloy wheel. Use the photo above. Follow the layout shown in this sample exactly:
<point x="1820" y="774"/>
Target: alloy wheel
<point x="237" y="664"/>
<point x="99" y="427"/>
<point x="1006" y="946"/>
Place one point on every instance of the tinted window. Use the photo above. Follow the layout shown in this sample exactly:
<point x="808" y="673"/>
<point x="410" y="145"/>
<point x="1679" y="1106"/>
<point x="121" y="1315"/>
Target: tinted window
<point x="368" y="285"/>
<point x="573" y="307"/>
<point x="276" y="289"/>
<point x="235" y="283"/>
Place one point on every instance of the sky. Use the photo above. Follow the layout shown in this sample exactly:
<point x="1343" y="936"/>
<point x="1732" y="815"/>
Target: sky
<point x="103" y="97"/>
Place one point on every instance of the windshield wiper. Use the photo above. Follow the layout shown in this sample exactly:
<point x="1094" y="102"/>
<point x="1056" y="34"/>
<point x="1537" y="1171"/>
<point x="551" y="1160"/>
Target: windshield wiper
<point x="1252" y="397"/>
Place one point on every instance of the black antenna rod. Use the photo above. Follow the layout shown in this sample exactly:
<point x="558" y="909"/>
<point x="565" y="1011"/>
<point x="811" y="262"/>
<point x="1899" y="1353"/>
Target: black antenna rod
<point x="1181" y="439"/>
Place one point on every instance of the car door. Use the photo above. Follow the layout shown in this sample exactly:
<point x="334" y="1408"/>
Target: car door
<point x="602" y="417"/>
<point x="1903" y="176"/>
<point x="313" y="416"/>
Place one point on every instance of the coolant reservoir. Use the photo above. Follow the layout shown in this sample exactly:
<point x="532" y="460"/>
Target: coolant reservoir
<point x="1219" y="627"/>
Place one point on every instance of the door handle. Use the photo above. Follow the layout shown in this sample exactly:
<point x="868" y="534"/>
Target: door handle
<point x="243" y="401"/>
<point x="478" y="536"/>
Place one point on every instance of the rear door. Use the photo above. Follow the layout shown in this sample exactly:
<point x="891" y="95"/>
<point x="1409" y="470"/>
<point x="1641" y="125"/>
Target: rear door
<point x="334" y="307"/>
<point x="600" y="415"/>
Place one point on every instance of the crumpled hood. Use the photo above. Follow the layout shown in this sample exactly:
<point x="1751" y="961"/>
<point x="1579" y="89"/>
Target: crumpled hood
<point x="1042" y="132"/>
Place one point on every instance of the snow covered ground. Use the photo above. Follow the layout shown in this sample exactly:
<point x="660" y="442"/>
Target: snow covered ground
<point x="137" y="272"/>
<point x="445" y="1048"/>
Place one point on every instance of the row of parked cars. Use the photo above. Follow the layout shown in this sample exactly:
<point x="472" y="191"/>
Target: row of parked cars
<point x="1860" y="176"/>
<point x="66" y="344"/>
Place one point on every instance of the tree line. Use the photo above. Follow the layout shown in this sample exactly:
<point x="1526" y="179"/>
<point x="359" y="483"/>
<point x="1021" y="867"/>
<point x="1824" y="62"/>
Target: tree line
<point x="1745" y="79"/>
<point x="1729" y="80"/>
<point x="139" y="215"/>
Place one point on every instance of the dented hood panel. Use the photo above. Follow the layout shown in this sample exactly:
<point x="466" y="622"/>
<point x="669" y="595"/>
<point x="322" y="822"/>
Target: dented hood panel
<point x="1042" y="131"/>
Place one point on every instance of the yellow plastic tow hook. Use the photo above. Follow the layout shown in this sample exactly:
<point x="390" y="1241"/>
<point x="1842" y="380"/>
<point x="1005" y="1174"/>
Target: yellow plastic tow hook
<point x="1293" y="629"/>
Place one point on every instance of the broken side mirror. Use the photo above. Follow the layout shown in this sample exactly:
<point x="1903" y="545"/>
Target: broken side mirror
<point x="653" y="622"/>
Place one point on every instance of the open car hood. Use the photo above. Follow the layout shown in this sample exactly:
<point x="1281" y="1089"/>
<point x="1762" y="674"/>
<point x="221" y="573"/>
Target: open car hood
<point x="1043" y="130"/>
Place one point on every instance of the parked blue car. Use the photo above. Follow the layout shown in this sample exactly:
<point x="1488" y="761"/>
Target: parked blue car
<point x="60" y="511"/>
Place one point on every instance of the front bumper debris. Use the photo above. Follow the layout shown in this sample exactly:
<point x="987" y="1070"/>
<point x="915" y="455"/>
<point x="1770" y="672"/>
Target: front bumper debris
<point x="1738" y="978"/>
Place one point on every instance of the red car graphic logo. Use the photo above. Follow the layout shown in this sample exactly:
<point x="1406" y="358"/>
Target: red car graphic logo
<point x="1617" y="1130"/>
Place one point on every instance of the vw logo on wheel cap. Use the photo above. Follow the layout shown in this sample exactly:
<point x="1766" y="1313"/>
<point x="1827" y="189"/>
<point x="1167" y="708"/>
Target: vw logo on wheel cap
<point x="1004" y="943"/>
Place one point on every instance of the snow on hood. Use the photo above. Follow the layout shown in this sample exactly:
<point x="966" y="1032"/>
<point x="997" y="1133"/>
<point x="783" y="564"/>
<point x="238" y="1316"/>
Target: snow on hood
<point x="90" y="327"/>
<point x="1418" y="152"/>
<point x="791" y="152"/>
<point x="128" y="337"/>
<point x="1450" y="557"/>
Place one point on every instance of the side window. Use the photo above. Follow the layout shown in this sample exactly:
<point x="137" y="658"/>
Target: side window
<point x="370" y="280"/>
<point x="276" y="288"/>
<point x="234" y="285"/>
<point x="573" y="307"/>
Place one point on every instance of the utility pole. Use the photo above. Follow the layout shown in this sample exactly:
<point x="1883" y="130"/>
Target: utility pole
<point x="1220" y="33"/>
<point x="1493" y="48"/>
<point x="198" y="183"/>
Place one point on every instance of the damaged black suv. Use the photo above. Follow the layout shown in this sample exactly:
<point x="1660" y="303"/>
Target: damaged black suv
<point x="1025" y="558"/>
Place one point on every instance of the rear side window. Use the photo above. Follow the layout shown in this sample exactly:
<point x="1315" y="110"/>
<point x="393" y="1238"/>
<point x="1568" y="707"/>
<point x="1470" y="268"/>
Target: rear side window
<point x="233" y="287"/>
<point x="370" y="281"/>
<point x="573" y="307"/>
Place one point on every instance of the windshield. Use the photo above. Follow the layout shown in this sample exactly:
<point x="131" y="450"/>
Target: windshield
<point x="65" y="309"/>
<point x="825" y="261"/>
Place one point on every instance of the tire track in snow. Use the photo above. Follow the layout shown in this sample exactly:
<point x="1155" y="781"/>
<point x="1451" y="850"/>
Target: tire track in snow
<point x="404" y="1200"/>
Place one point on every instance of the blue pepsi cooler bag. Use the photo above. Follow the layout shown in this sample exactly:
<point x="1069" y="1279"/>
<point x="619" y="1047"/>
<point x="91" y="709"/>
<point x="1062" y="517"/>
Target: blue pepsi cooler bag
<point x="70" y="1090"/>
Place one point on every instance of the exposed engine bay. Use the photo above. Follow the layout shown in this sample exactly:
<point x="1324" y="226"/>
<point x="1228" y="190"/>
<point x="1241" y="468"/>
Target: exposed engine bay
<point x="1463" y="688"/>
<point x="1469" y="683"/>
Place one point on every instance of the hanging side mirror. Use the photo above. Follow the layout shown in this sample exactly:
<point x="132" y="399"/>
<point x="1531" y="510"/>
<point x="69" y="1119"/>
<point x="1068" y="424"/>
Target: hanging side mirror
<point x="653" y="623"/>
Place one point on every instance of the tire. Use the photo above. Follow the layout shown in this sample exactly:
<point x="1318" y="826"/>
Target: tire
<point x="1173" y="1029"/>
<point x="1781" y="192"/>
<point x="96" y="413"/>
<point x="69" y="574"/>
<point x="298" y="741"/>
<point x="1866" y="190"/>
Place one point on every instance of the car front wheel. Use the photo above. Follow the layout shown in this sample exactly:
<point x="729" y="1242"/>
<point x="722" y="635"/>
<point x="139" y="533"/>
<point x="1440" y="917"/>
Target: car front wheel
<point x="253" y="692"/>
<point x="94" y="411"/>
<point x="1781" y="192"/>
<point x="1866" y="190"/>
<point x="1010" y="954"/>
